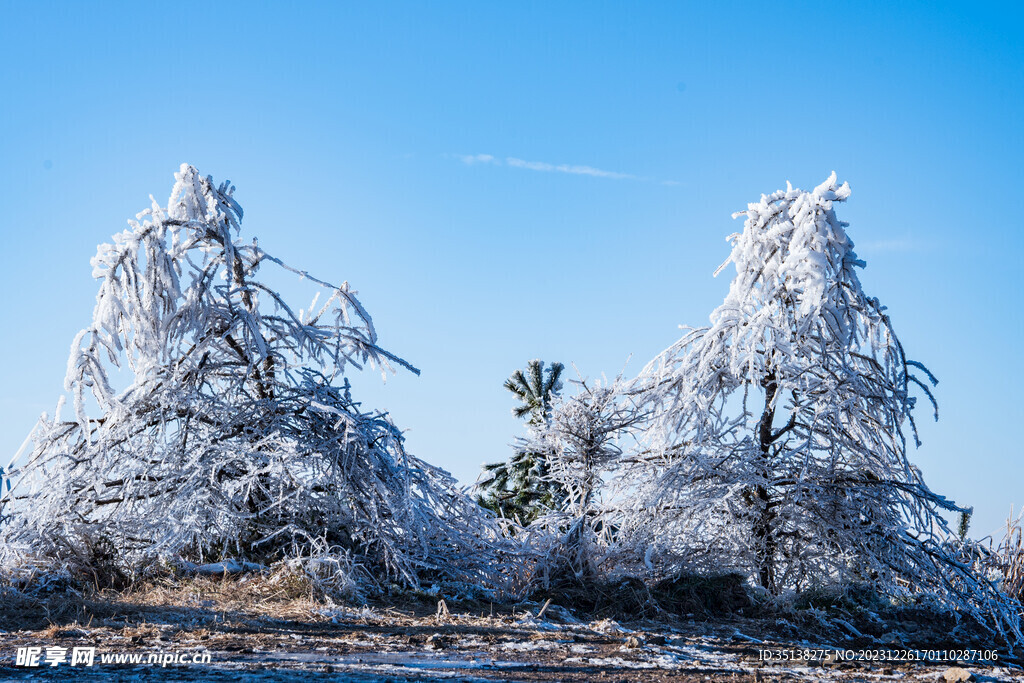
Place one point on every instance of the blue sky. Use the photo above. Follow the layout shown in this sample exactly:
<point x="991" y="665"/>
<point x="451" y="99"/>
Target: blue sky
<point x="347" y="130"/>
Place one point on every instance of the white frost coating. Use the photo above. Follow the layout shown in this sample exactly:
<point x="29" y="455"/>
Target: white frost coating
<point x="777" y="438"/>
<point x="582" y="443"/>
<point x="236" y="435"/>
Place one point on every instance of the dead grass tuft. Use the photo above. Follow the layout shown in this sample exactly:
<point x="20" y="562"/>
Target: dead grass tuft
<point x="1011" y="557"/>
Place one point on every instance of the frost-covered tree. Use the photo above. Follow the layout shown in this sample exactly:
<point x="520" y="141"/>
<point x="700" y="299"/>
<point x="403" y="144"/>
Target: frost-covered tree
<point x="583" y="443"/>
<point x="535" y="389"/>
<point x="520" y="488"/>
<point x="779" y="438"/>
<point x="233" y="431"/>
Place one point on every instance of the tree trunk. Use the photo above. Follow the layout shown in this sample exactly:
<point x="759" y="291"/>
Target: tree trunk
<point x="764" y="532"/>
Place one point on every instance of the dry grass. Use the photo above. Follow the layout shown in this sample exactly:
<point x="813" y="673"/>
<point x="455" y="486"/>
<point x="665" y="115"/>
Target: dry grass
<point x="1011" y="557"/>
<point x="38" y="612"/>
<point x="281" y="595"/>
<point x="630" y="598"/>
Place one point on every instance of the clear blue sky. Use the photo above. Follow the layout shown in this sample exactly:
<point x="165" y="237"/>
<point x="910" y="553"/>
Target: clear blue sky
<point x="343" y="127"/>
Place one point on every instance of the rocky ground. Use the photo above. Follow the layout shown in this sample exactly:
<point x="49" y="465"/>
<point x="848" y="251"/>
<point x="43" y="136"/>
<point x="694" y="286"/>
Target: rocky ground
<point x="265" y="636"/>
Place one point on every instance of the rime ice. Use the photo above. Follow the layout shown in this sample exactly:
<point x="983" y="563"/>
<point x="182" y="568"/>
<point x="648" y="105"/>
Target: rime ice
<point x="236" y="435"/>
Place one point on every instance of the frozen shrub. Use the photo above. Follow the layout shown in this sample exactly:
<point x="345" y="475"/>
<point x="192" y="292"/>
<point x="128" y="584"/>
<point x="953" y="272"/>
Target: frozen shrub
<point x="235" y="433"/>
<point x="778" y="440"/>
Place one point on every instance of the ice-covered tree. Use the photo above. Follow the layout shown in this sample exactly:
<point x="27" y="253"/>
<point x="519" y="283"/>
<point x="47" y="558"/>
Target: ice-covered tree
<point x="535" y="389"/>
<point x="779" y="439"/>
<point x="233" y="431"/>
<point x="583" y="443"/>
<point x="520" y="488"/>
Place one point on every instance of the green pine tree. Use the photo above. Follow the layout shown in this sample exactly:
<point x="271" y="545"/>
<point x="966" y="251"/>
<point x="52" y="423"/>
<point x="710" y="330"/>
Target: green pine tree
<point x="518" y="488"/>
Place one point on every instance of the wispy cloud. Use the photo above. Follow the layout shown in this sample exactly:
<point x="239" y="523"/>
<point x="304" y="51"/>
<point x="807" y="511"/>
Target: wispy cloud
<point x="545" y="167"/>
<point x="568" y="168"/>
<point x="470" y="159"/>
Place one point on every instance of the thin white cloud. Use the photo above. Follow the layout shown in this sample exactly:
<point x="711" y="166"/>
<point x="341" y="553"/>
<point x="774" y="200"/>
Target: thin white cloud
<point x="545" y="167"/>
<point x="568" y="168"/>
<point x="471" y="159"/>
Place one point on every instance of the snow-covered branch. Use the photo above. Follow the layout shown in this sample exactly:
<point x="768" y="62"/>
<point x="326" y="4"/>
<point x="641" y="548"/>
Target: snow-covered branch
<point x="234" y="432"/>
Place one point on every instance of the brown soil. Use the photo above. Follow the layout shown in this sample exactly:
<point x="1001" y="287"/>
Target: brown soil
<point x="253" y="631"/>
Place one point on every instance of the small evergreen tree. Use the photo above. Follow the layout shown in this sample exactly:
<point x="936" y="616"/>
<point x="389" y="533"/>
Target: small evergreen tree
<point x="536" y="389"/>
<point x="520" y="488"/>
<point x="583" y="444"/>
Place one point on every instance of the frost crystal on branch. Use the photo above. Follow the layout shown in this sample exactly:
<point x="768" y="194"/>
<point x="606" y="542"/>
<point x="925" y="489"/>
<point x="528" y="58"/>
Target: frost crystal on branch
<point x="778" y="438"/>
<point x="583" y="446"/>
<point x="236" y="434"/>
